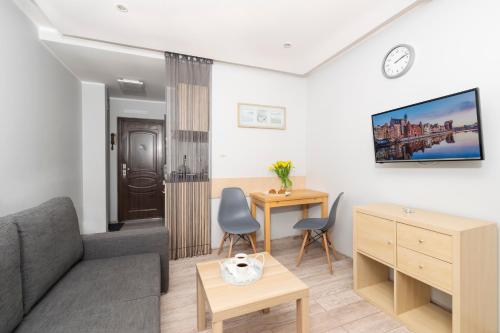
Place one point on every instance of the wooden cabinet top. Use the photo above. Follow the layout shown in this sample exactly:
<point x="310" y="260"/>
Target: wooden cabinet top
<point x="440" y="222"/>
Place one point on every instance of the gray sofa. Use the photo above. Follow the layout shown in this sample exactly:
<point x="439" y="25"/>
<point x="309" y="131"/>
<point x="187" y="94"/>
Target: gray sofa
<point x="52" y="279"/>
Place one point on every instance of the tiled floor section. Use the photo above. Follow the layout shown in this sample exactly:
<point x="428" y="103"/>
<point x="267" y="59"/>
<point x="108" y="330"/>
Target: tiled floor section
<point x="334" y="308"/>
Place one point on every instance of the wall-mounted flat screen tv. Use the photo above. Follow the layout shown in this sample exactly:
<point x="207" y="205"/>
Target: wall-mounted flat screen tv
<point x="443" y="129"/>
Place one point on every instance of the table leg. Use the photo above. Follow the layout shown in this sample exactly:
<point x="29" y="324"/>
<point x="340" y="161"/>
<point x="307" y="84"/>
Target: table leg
<point x="305" y="215"/>
<point x="324" y="208"/>
<point x="305" y="211"/>
<point x="217" y="327"/>
<point x="254" y="209"/>
<point x="200" y="298"/>
<point x="254" y="215"/>
<point x="303" y="315"/>
<point x="267" y="228"/>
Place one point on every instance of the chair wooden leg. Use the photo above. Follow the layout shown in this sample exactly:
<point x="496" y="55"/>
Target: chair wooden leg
<point x="252" y="243"/>
<point x="301" y="253"/>
<point x="333" y="247"/>
<point x="323" y="245"/>
<point x="230" y="246"/>
<point x="221" y="246"/>
<point x="335" y="255"/>
<point x="327" y="251"/>
<point x="307" y="234"/>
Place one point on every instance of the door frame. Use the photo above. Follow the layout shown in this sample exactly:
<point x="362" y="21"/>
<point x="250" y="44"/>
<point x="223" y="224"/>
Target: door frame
<point x="118" y="159"/>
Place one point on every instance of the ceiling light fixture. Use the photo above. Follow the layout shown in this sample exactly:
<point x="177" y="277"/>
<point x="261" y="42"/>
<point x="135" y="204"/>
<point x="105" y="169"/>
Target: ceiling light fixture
<point x="132" y="87"/>
<point x="122" y="8"/>
<point x="287" y="45"/>
<point x="130" y="81"/>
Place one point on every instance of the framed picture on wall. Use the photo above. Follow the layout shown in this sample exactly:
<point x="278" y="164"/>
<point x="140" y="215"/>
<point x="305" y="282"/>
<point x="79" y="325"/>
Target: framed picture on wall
<point x="261" y="116"/>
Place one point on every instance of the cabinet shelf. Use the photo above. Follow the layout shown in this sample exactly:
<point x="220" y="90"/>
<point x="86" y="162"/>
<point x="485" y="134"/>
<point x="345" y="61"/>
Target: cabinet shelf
<point x="428" y="318"/>
<point x="381" y="294"/>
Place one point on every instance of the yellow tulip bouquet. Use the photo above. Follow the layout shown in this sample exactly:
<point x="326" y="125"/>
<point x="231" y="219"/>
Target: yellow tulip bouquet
<point x="282" y="170"/>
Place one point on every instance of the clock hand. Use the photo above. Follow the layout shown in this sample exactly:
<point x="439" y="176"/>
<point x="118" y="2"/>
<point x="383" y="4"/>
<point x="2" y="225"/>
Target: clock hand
<point x="400" y="58"/>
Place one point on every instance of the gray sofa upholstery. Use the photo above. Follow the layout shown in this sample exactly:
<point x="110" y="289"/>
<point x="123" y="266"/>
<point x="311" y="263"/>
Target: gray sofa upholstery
<point x="55" y="280"/>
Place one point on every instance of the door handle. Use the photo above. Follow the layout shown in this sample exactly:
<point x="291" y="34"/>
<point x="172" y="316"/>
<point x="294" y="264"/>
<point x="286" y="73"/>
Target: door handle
<point x="124" y="169"/>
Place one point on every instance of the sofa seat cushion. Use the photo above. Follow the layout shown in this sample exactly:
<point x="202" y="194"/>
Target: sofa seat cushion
<point x="101" y="294"/>
<point x="11" y="296"/>
<point x="50" y="245"/>
<point x="132" y="316"/>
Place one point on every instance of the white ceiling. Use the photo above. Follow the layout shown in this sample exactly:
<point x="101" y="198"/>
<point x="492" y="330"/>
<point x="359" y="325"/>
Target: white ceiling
<point x="248" y="32"/>
<point x="102" y="62"/>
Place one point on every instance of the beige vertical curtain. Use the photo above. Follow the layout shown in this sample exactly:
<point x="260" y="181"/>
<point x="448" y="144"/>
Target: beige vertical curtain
<point x="187" y="173"/>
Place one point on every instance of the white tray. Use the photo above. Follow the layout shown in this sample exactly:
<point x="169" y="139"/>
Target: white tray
<point x="287" y="193"/>
<point x="255" y="270"/>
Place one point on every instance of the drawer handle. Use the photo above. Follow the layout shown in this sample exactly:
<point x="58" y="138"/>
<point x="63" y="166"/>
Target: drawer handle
<point x="421" y="266"/>
<point x="420" y="241"/>
<point x="389" y="242"/>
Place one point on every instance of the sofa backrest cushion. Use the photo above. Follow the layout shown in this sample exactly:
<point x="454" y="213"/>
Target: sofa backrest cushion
<point x="11" y="296"/>
<point x="50" y="244"/>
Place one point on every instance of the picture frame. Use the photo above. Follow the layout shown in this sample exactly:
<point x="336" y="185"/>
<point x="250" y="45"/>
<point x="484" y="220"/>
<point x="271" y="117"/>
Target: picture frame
<point x="261" y="116"/>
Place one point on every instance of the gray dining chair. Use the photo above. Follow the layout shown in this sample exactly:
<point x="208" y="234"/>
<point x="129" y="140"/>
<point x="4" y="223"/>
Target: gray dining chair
<point x="320" y="228"/>
<point x="235" y="219"/>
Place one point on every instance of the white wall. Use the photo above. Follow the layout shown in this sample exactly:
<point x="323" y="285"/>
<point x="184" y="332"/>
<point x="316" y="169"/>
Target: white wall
<point x="127" y="108"/>
<point x="245" y="152"/>
<point x="94" y="157"/>
<point x="453" y="52"/>
<point x="455" y="49"/>
<point x="40" y="124"/>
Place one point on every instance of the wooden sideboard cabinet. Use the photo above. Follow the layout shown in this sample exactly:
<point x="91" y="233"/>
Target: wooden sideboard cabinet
<point x="400" y="256"/>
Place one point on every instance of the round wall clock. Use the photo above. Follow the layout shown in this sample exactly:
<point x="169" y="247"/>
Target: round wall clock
<point x="398" y="61"/>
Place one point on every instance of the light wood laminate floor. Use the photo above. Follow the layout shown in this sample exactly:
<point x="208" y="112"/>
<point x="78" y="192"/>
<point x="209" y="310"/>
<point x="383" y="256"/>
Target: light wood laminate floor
<point x="142" y="224"/>
<point x="334" y="307"/>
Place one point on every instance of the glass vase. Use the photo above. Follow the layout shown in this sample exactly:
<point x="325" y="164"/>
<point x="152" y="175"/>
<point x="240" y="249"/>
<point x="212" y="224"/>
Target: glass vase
<point x="286" y="184"/>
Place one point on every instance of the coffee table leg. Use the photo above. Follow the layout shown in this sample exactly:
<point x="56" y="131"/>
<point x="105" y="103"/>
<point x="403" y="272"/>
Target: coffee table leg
<point x="217" y="327"/>
<point x="303" y="315"/>
<point x="202" y="321"/>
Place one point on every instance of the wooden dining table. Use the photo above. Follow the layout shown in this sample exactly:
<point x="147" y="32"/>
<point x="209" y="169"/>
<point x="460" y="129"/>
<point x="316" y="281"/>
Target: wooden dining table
<point x="300" y="197"/>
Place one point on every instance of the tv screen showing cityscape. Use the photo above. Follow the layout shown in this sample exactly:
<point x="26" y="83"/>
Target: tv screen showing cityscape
<point x="445" y="128"/>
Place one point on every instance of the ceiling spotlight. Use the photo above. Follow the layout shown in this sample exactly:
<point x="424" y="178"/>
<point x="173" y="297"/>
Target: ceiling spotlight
<point x="287" y="45"/>
<point x="122" y="8"/>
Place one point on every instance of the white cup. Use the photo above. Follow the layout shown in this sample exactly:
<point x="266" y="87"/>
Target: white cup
<point x="242" y="269"/>
<point x="241" y="258"/>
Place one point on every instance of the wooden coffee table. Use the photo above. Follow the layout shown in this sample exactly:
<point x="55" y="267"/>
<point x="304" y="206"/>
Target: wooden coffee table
<point x="277" y="285"/>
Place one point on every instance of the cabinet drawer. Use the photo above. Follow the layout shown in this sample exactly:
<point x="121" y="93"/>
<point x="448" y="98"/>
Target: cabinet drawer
<point x="435" y="272"/>
<point x="425" y="241"/>
<point x="376" y="236"/>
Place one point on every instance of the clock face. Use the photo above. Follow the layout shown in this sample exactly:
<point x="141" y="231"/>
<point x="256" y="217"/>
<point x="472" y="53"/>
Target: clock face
<point x="398" y="61"/>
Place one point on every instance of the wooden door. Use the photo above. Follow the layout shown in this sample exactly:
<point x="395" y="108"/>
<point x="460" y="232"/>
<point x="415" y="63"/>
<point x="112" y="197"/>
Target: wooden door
<point x="140" y="168"/>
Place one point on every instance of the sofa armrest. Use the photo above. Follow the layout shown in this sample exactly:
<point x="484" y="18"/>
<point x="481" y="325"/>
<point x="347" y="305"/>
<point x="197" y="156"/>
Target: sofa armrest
<point x="129" y="242"/>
